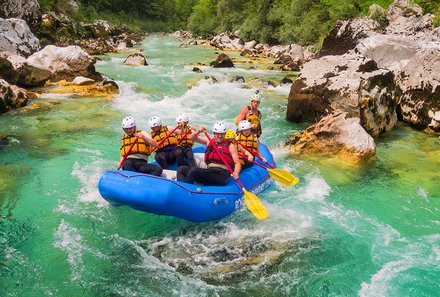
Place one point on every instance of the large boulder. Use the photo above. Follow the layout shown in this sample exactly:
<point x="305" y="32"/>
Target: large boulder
<point x="350" y="83"/>
<point x="65" y="62"/>
<point x="16" y="70"/>
<point x="403" y="19"/>
<point x="419" y="82"/>
<point x="28" y="10"/>
<point x="136" y="59"/>
<point x="415" y="62"/>
<point x="346" y="35"/>
<point x="222" y="61"/>
<point x="335" y="135"/>
<point x="17" y="38"/>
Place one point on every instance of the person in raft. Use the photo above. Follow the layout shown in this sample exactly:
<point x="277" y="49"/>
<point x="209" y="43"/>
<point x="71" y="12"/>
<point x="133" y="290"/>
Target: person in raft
<point x="165" y="154"/>
<point x="252" y="114"/>
<point x="216" y="173"/>
<point x="137" y="157"/>
<point x="247" y="141"/>
<point x="184" y="143"/>
<point x="245" y="162"/>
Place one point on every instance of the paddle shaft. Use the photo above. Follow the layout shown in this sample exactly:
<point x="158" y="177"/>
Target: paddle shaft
<point x="255" y="162"/>
<point x="257" y="155"/>
<point x="163" y="140"/>
<point x="223" y="159"/>
<point x="128" y="152"/>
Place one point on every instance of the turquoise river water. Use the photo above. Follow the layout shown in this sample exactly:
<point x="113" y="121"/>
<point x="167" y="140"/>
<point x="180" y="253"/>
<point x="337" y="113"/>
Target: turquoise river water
<point x="368" y="230"/>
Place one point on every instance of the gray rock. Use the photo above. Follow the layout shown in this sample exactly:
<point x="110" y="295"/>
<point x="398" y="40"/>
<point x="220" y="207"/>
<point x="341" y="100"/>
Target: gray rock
<point x="227" y="40"/>
<point x="222" y="61"/>
<point x="16" y="70"/>
<point x="82" y="81"/>
<point x="65" y="62"/>
<point x="398" y="76"/>
<point x="136" y="59"/>
<point x="334" y="83"/>
<point x="17" y="38"/>
<point x="403" y="8"/>
<point x="346" y="35"/>
<point x="11" y="97"/>
<point x="28" y="10"/>
<point x="419" y="82"/>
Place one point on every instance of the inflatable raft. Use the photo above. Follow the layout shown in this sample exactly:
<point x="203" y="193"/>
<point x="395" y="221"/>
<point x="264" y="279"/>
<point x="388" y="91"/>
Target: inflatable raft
<point x="166" y="196"/>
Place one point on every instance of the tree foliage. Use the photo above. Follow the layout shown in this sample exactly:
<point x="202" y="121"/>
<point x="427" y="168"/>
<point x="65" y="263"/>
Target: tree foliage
<point x="272" y="21"/>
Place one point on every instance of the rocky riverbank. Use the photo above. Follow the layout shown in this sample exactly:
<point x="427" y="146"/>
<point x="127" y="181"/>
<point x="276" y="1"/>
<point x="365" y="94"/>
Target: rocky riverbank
<point x="40" y="49"/>
<point x="376" y="71"/>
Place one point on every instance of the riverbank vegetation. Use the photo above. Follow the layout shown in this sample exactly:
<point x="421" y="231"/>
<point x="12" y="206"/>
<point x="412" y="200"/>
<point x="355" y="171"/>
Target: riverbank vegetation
<point x="304" y="22"/>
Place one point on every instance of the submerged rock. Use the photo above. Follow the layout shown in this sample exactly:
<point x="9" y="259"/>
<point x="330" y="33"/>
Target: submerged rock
<point x="197" y="70"/>
<point x="222" y="61"/>
<point x="103" y="89"/>
<point x="136" y="59"/>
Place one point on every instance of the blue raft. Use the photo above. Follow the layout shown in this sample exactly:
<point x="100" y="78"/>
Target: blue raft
<point x="195" y="203"/>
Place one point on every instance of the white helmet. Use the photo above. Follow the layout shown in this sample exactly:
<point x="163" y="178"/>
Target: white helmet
<point x="128" y="122"/>
<point x="182" y="118"/>
<point x="219" y="127"/>
<point x="154" y="122"/>
<point x="256" y="97"/>
<point x="243" y="125"/>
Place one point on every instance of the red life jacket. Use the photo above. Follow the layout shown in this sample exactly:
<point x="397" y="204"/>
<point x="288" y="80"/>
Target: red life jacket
<point x="211" y="155"/>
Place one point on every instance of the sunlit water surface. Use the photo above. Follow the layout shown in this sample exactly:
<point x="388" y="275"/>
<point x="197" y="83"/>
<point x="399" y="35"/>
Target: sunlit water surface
<point x="371" y="230"/>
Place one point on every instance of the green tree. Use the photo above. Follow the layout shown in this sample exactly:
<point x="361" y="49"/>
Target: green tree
<point x="203" y="20"/>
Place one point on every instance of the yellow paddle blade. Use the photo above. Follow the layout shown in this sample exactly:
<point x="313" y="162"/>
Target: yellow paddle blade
<point x="254" y="205"/>
<point x="282" y="176"/>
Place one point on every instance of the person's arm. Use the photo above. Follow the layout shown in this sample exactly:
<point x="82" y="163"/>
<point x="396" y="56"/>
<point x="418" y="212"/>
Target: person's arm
<point x="120" y="162"/>
<point x="195" y="136"/>
<point x="147" y="138"/>
<point x="177" y="131"/>
<point x="245" y="152"/>
<point x="236" y="159"/>
<point x="242" y="114"/>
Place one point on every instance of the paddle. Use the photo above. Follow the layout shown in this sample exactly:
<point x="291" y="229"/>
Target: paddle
<point x="278" y="174"/>
<point x="163" y="140"/>
<point x="128" y="152"/>
<point x="250" y="199"/>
